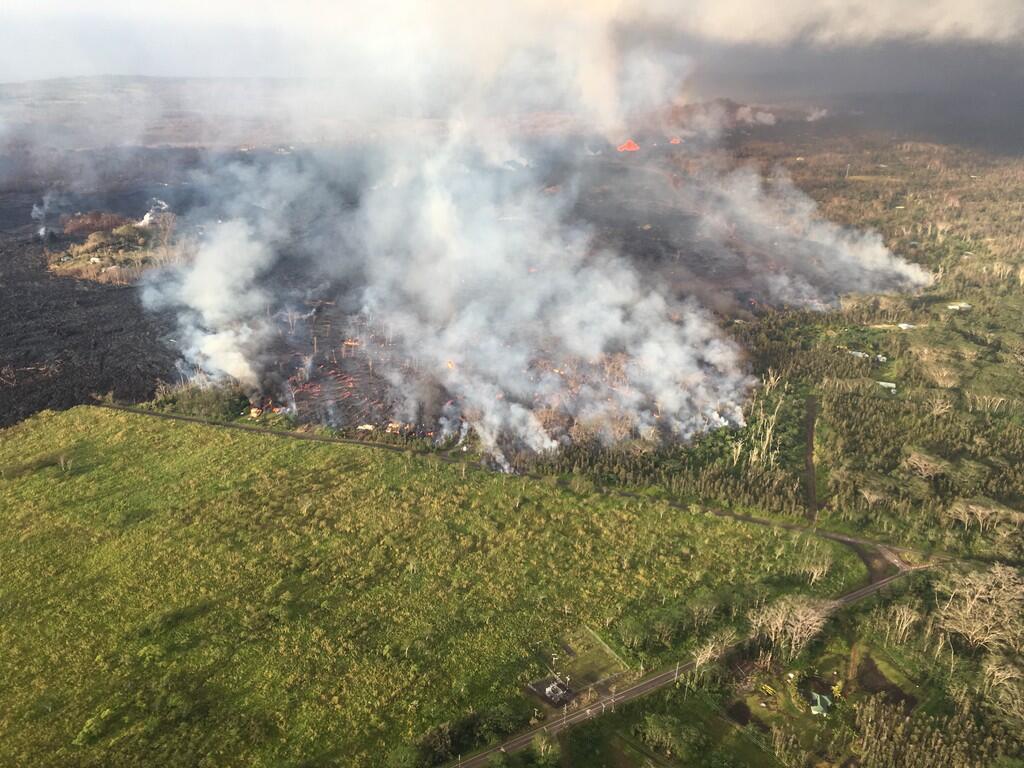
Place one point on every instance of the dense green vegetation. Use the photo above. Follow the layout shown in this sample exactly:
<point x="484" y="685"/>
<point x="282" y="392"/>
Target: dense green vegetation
<point x="932" y="674"/>
<point x="214" y="403"/>
<point x="182" y="595"/>
<point x="915" y="679"/>
<point x="937" y="463"/>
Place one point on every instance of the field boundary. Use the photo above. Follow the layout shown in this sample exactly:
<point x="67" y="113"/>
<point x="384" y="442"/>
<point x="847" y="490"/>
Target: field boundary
<point x="608" y="648"/>
<point x="264" y="430"/>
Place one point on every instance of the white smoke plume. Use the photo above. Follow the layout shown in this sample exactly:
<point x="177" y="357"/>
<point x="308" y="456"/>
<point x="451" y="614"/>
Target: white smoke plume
<point x="41" y="213"/>
<point x="810" y="261"/>
<point x="220" y="302"/>
<point x="504" y="309"/>
<point x="504" y="304"/>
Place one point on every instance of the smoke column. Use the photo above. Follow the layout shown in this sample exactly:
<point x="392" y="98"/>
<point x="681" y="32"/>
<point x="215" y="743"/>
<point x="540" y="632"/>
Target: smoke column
<point x="503" y="309"/>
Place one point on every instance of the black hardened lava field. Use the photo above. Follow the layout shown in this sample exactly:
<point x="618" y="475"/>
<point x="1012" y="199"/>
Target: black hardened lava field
<point x="65" y="341"/>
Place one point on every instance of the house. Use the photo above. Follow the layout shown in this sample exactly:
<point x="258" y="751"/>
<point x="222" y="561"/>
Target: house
<point x="557" y="692"/>
<point x="821" y="703"/>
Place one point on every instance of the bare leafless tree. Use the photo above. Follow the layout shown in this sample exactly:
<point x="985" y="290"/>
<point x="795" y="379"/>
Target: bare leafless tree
<point x="985" y="608"/>
<point x="925" y="465"/>
<point x="999" y="670"/>
<point x="713" y="648"/>
<point x="791" y="622"/>
<point x="900" y="619"/>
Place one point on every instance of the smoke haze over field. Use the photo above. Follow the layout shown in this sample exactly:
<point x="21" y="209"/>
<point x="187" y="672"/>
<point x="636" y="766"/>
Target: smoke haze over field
<point x="457" y="225"/>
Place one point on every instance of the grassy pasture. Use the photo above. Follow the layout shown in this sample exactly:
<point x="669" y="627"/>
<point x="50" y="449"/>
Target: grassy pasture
<point x="175" y="594"/>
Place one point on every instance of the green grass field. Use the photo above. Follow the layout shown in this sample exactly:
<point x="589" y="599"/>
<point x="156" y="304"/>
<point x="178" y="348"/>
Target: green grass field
<point x="174" y="594"/>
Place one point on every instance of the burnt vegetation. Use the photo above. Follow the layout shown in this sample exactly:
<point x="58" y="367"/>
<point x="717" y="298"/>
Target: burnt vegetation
<point x="63" y="340"/>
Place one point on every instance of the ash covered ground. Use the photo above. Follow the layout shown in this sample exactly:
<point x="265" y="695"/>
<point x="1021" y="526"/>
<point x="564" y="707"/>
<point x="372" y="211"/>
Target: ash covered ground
<point x="694" y="228"/>
<point x="64" y="341"/>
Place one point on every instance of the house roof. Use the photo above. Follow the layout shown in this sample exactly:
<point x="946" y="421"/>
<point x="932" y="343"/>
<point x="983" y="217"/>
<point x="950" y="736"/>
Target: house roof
<point x="820" y="703"/>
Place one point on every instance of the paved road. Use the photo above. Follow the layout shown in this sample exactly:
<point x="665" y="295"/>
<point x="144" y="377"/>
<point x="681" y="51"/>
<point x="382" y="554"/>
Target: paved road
<point x="577" y="716"/>
<point x="640" y="688"/>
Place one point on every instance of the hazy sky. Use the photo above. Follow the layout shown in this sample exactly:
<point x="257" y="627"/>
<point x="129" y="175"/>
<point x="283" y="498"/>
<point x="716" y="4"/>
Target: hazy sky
<point x="740" y="38"/>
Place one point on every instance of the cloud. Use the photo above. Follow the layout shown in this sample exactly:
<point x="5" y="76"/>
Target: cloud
<point x="852" y="22"/>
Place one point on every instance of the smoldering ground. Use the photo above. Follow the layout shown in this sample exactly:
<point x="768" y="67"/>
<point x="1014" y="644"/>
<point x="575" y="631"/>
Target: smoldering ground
<point x="473" y="246"/>
<point x="538" y="291"/>
<point x="495" y="261"/>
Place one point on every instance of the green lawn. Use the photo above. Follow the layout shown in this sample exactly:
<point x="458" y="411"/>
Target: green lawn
<point x="174" y="594"/>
